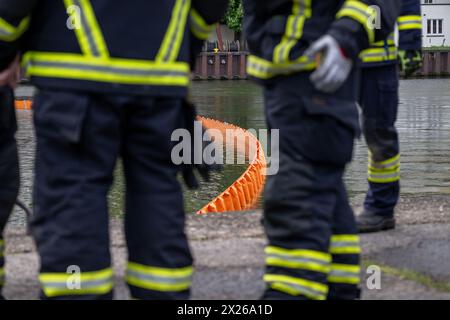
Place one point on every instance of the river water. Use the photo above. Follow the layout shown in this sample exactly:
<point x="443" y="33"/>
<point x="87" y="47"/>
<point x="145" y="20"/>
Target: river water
<point x="423" y="123"/>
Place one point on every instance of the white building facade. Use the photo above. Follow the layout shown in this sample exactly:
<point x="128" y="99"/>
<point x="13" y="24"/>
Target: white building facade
<point x="436" y="23"/>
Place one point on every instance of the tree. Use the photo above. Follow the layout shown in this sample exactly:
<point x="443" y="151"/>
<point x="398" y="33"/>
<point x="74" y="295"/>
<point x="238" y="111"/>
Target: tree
<point x="235" y="13"/>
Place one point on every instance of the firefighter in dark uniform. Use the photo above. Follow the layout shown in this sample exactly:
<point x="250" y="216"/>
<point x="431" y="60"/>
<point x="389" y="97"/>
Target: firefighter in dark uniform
<point x="303" y="53"/>
<point x="9" y="164"/>
<point x="112" y="78"/>
<point x="379" y="99"/>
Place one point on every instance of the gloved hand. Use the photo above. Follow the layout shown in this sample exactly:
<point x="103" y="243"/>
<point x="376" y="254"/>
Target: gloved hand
<point x="203" y="169"/>
<point x="410" y="61"/>
<point x="334" y="68"/>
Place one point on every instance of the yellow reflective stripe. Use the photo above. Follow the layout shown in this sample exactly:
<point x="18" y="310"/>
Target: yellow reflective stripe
<point x="345" y="244"/>
<point x="379" y="54"/>
<point x="344" y="238"/>
<point x="84" y="276"/>
<point x="384" y="171"/>
<point x="174" y="36"/>
<point x="298" y="259"/>
<point x="294" y="30"/>
<point x="159" y="279"/>
<point x="10" y="33"/>
<point x="342" y="273"/>
<point x="88" y="31"/>
<point x="297" y="286"/>
<point x="361" y="13"/>
<point x="384" y="177"/>
<point x="409" y="22"/>
<point x="199" y="27"/>
<point x="311" y="254"/>
<point x="391" y="163"/>
<point x="263" y="69"/>
<point x="94" y="282"/>
<point x="113" y="70"/>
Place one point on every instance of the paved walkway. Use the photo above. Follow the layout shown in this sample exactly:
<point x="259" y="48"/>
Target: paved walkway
<point x="415" y="258"/>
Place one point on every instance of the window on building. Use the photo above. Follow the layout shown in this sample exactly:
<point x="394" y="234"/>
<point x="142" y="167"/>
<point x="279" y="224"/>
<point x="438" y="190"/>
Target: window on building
<point x="434" y="26"/>
<point x="428" y="1"/>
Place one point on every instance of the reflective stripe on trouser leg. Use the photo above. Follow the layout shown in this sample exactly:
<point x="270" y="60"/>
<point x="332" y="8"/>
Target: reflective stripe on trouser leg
<point x="160" y="260"/>
<point x="384" y="171"/>
<point x="72" y="284"/>
<point x="300" y="200"/>
<point x="78" y="140"/>
<point x="159" y="279"/>
<point x="344" y="276"/>
<point x="290" y="265"/>
<point x="379" y="100"/>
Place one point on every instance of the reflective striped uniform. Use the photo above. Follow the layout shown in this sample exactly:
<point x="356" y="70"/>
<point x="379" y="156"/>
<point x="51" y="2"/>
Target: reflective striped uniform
<point x="93" y="46"/>
<point x="379" y="100"/>
<point x="313" y="250"/>
<point x="112" y="79"/>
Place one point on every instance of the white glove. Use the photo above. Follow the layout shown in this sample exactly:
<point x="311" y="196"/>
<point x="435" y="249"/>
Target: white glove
<point x="334" y="68"/>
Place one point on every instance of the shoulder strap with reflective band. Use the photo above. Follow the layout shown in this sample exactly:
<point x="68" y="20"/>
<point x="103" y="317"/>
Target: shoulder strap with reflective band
<point x="171" y="44"/>
<point x="409" y="23"/>
<point x="95" y="63"/>
<point x="362" y="13"/>
<point x="301" y="10"/>
<point x="199" y="27"/>
<point x="10" y="33"/>
<point x="86" y="28"/>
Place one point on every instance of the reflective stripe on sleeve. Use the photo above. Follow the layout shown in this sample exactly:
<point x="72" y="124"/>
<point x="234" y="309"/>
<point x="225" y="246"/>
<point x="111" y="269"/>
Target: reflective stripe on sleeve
<point x="409" y="23"/>
<point x="10" y="33"/>
<point x="362" y="13"/>
<point x="199" y="27"/>
<point x="263" y="69"/>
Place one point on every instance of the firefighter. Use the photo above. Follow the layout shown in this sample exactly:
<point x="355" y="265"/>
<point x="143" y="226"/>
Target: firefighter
<point x="9" y="164"/>
<point x="303" y="53"/>
<point x="379" y="99"/>
<point x="112" y="79"/>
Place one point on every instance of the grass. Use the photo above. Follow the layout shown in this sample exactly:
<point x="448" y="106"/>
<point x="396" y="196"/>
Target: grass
<point x="411" y="275"/>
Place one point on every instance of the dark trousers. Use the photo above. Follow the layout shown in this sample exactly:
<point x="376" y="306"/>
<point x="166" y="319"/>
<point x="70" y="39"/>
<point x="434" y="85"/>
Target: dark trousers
<point x="79" y="139"/>
<point x="313" y="250"/>
<point x="9" y="167"/>
<point x="379" y="100"/>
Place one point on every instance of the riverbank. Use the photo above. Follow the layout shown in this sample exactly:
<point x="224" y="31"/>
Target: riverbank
<point x="228" y="248"/>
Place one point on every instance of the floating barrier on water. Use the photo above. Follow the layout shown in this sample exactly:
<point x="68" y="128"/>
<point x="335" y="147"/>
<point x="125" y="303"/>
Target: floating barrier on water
<point x="245" y="192"/>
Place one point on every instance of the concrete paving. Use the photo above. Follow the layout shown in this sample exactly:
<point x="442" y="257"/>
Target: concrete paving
<point x="228" y="249"/>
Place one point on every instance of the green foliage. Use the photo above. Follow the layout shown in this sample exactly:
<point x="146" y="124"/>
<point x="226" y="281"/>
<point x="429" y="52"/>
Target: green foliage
<point x="235" y="13"/>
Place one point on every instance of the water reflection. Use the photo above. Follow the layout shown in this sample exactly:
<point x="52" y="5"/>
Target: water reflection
<point x="423" y="122"/>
